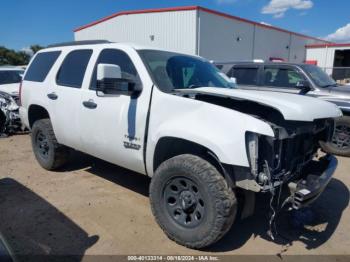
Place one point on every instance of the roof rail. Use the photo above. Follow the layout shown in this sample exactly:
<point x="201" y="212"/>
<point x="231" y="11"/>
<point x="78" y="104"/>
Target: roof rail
<point x="84" y="42"/>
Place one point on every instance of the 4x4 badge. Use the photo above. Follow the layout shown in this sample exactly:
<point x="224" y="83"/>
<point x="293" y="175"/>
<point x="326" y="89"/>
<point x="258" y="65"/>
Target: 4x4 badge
<point x="130" y="145"/>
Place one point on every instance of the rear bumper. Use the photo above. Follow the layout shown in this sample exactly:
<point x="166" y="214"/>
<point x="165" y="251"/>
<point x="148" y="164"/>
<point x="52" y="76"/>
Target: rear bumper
<point x="310" y="186"/>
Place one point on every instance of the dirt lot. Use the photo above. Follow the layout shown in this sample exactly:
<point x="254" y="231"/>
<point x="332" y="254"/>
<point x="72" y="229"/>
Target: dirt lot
<point x="93" y="207"/>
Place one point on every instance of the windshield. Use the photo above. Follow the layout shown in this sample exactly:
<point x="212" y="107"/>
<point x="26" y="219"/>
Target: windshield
<point x="10" y="76"/>
<point x="319" y="76"/>
<point x="177" y="71"/>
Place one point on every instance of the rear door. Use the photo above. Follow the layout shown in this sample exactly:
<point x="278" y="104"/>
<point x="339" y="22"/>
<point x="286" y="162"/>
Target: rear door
<point x="65" y="96"/>
<point x="247" y="76"/>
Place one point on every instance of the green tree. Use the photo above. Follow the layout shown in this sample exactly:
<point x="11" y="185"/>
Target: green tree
<point x="36" y="48"/>
<point x="12" y="57"/>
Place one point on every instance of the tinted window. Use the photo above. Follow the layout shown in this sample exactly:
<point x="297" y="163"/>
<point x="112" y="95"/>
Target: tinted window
<point x="10" y="77"/>
<point x="73" y="68"/>
<point x="281" y="77"/>
<point x="41" y="66"/>
<point x="116" y="57"/>
<point x="246" y="76"/>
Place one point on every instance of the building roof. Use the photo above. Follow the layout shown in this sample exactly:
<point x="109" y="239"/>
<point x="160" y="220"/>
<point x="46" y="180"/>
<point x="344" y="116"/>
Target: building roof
<point x="189" y="8"/>
<point x="328" y="45"/>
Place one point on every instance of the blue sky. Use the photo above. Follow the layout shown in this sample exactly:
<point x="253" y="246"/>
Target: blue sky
<point x="27" y="22"/>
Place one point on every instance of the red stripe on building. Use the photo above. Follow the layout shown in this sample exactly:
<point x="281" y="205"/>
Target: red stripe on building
<point x="328" y="45"/>
<point x="190" y="8"/>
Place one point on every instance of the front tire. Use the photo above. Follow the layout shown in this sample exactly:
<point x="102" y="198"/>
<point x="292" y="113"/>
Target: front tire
<point x="340" y="144"/>
<point x="191" y="201"/>
<point x="49" y="153"/>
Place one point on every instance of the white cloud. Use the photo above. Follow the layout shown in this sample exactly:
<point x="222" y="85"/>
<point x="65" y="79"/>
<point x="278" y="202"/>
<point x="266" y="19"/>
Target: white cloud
<point x="225" y="1"/>
<point x="340" y="35"/>
<point x="27" y="50"/>
<point x="264" y="23"/>
<point x="277" y="8"/>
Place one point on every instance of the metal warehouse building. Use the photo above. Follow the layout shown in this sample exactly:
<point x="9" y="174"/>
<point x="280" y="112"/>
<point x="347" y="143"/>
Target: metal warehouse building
<point x="333" y="58"/>
<point x="200" y="31"/>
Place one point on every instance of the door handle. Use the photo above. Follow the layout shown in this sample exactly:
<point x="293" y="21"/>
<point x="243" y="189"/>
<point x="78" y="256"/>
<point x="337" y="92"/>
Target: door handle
<point x="90" y="104"/>
<point x="52" y="96"/>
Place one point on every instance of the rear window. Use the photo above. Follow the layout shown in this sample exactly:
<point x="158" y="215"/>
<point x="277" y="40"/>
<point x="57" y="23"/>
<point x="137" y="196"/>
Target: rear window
<point x="246" y="75"/>
<point x="73" y="68"/>
<point x="41" y="66"/>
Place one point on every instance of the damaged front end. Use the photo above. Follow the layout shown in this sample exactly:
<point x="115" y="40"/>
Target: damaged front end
<point x="10" y="121"/>
<point x="290" y="157"/>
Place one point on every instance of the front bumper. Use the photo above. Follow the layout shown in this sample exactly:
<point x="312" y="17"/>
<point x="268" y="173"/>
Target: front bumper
<point x="307" y="189"/>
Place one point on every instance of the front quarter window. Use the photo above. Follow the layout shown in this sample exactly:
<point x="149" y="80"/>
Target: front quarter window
<point x="172" y="71"/>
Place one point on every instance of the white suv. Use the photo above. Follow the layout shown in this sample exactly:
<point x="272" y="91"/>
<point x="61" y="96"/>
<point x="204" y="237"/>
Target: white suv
<point x="177" y="119"/>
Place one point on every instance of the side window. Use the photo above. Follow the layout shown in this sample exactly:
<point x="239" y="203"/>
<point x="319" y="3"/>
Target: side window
<point x="281" y="77"/>
<point x="73" y="68"/>
<point x="246" y="75"/>
<point x="116" y="57"/>
<point x="41" y="66"/>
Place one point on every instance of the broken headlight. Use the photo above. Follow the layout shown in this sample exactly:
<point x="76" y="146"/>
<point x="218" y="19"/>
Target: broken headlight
<point x="252" y="145"/>
<point x="8" y="103"/>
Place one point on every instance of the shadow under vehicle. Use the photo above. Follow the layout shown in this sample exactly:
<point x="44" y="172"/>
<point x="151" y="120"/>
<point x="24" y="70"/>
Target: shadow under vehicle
<point x="31" y="229"/>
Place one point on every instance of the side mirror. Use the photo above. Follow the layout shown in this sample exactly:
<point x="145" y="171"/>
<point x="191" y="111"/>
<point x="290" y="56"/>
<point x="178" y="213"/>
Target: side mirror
<point x="304" y="87"/>
<point x="110" y="81"/>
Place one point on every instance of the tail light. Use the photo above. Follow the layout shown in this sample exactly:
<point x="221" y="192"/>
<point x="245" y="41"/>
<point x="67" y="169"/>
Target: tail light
<point x="20" y="94"/>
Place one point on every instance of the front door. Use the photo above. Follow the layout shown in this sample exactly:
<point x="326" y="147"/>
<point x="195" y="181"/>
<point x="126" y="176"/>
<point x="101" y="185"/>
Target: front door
<point x="281" y="79"/>
<point x="113" y="127"/>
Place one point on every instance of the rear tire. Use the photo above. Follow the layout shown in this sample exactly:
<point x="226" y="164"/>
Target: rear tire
<point x="49" y="153"/>
<point x="340" y="144"/>
<point x="191" y="201"/>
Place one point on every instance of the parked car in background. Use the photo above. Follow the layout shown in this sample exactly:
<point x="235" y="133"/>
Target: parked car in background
<point x="177" y="119"/>
<point x="10" y="79"/>
<point x="296" y="78"/>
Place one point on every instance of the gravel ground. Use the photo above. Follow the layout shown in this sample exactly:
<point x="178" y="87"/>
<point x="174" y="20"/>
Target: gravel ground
<point x="93" y="208"/>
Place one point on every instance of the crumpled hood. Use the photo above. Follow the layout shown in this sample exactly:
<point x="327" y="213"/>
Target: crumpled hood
<point x="12" y="89"/>
<point x="292" y="107"/>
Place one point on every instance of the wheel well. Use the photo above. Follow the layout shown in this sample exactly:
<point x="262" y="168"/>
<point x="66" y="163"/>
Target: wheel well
<point x="168" y="147"/>
<point x="35" y="113"/>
